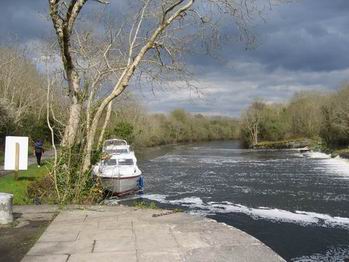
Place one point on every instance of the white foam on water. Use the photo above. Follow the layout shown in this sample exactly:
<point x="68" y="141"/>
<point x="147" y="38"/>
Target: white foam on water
<point x="302" y="218"/>
<point x="298" y="155"/>
<point x="170" y="158"/>
<point x="210" y="160"/>
<point x="156" y="197"/>
<point x="318" y="155"/>
<point x="276" y="215"/>
<point x="209" y="173"/>
<point x="217" y="160"/>
<point x="335" y="254"/>
<point x="338" y="165"/>
<point x="189" y="201"/>
<point x="194" y="202"/>
<point x="327" y="220"/>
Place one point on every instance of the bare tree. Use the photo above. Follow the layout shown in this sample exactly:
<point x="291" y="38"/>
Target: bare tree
<point x="20" y="85"/>
<point x="147" y="43"/>
<point x="251" y="120"/>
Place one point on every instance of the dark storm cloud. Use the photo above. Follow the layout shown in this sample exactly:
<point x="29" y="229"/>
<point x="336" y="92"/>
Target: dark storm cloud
<point x="310" y="35"/>
<point x="302" y="45"/>
<point x="23" y="20"/>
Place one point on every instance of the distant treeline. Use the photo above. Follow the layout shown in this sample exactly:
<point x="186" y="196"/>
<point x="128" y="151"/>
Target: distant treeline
<point x="179" y="126"/>
<point x="315" y="115"/>
<point x="23" y="110"/>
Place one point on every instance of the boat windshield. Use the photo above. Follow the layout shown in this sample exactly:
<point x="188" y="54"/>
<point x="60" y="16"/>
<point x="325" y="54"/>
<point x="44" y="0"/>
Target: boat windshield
<point x="110" y="162"/>
<point x="126" y="162"/>
<point x="117" y="151"/>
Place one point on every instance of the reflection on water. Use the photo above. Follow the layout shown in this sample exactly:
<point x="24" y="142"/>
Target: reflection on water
<point x="298" y="204"/>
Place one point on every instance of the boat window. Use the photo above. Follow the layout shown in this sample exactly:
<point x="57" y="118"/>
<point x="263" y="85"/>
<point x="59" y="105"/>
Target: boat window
<point x="122" y="151"/>
<point x="117" y="151"/>
<point x="110" y="162"/>
<point x="126" y="162"/>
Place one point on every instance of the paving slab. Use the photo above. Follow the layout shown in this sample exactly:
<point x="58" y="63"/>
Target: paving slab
<point x="160" y="257"/>
<point x="104" y="257"/>
<point x="111" y="234"/>
<point x="58" y="236"/>
<point x="61" y="248"/>
<point x="119" y="233"/>
<point x="44" y="258"/>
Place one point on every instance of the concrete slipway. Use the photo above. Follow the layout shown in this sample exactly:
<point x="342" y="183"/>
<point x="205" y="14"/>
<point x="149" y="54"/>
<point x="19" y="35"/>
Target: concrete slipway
<point x="119" y="233"/>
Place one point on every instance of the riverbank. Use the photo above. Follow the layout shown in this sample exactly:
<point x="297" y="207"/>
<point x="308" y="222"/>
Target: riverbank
<point x="343" y="153"/>
<point x="119" y="233"/>
<point x="311" y="144"/>
<point x="284" y="144"/>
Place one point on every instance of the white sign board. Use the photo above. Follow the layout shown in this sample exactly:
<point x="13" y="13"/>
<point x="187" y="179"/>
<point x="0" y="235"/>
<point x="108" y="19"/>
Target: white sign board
<point x="10" y="152"/>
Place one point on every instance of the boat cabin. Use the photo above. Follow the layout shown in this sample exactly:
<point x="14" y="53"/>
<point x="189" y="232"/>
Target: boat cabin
<point x="116" y="146"/>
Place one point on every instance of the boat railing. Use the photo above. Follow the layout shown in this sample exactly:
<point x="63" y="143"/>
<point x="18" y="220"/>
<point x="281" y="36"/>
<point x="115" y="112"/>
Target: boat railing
<point x="115" y="142"/>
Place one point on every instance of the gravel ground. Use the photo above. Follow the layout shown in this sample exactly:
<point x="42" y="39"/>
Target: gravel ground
<point x="30" y="222"/>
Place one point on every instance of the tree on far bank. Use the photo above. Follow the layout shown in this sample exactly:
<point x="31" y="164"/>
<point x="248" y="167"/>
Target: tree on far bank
<point x="251" y="121"/>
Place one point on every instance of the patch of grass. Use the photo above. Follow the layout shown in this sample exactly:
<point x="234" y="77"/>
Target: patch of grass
<point x="18" y="188"/>
<point x="145" y="205"/>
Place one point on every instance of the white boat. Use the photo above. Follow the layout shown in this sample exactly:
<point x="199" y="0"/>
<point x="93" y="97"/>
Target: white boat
<point x="118" y="170"/>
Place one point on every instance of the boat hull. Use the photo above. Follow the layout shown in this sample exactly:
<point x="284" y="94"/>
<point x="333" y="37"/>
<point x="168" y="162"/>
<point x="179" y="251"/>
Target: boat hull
<point x="120" y="185"/>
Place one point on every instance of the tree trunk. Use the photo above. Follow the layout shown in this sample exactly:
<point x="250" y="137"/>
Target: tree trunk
<point x="255" y="136"/>
<point x="106" y="121"/>
<point x="72" y="126"/>
<point x="90" y="136"/>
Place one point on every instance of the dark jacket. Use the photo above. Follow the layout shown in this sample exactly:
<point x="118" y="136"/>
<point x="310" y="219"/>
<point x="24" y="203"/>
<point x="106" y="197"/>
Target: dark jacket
<point x="38" y="146"/>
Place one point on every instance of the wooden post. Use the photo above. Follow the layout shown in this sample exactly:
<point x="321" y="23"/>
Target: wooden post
<point x="17" y="161"/>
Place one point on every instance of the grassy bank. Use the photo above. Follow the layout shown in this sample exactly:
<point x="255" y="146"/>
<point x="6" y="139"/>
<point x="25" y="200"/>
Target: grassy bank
<point x="18" y="188"/>
<point x="286" y="144"/>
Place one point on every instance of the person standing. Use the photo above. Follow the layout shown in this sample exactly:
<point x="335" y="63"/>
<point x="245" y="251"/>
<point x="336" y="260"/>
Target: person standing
<point x="38" y="150"/>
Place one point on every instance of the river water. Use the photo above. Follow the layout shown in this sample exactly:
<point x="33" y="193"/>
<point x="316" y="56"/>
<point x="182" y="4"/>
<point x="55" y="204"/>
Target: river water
<point x="298" y="204"/>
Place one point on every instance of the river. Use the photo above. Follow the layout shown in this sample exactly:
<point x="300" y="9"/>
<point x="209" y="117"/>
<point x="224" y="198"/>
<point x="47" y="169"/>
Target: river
<point x="298" y="204"/>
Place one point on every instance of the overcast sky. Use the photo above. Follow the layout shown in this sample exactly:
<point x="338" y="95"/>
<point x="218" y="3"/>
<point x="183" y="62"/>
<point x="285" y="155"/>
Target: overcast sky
<point x="302" y="45"/>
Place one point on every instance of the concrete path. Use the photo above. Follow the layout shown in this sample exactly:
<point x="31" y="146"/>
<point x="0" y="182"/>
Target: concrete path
<point x="127" y="234"/>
